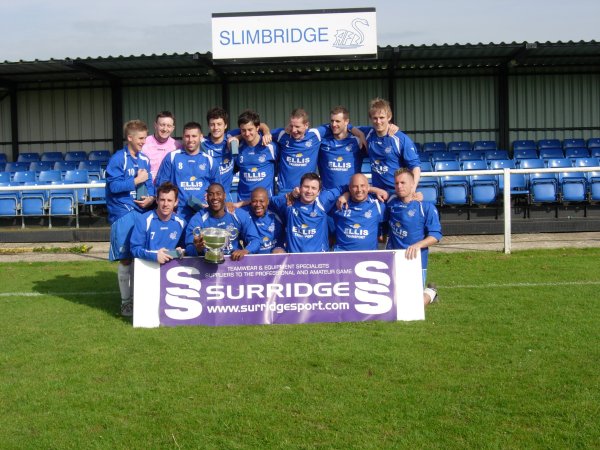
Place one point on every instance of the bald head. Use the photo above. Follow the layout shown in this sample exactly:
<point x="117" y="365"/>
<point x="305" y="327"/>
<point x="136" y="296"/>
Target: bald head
<point x="358" y="187"/>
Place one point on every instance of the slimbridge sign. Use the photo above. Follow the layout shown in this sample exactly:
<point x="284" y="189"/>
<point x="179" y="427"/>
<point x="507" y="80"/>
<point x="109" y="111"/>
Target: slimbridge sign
<point x="277" y="34"/>
<point x="279" y="289"/>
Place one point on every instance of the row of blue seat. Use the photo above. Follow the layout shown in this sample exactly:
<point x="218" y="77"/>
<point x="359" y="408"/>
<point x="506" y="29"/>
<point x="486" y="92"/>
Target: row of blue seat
<point x="490" y="155"/>
<point x="484" y="189"/>
<point x="458" y="146"/>
<point x="76" y="155"/>
<point x="13" y="170"/>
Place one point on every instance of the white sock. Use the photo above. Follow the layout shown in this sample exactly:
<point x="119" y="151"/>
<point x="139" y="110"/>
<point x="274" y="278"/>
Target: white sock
<point x="431" y="293"/>
<point x="125" y="282"/>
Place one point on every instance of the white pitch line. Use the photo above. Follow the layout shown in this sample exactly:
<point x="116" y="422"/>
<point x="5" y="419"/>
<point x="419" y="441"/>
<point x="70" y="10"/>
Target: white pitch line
<point x="505" y="285"/>
<point x="54" y="294"/>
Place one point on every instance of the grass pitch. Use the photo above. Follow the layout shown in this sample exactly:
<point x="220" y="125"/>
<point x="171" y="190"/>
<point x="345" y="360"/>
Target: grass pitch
<point x="508" y="359"/>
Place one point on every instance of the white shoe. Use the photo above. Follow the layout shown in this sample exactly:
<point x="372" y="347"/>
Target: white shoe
<point x="433" y="293"/>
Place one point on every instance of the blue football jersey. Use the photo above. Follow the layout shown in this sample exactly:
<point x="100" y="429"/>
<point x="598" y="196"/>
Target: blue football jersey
<point x="296" y="157"/>
<point x="239" y="224"/>
<point x="356" y="227"/>
<point x="192" y="174"/>
<point x="410" y="223"/>
<point x="256" y="167"/>
<point x="150" y="234"/>
<point x="338" y="159"/>
<point x="270" y="229"/>
<point x="222" y="156"/>
<point x="306" y="224"/>
<point x="120" y="186"/>
<point x="388" y="154"/>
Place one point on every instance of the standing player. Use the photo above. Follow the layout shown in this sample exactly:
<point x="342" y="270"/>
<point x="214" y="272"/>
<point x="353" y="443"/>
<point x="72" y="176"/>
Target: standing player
<point x="413" y="225"/>
<point x="127" y="170"/>
<point x="190" y="170"/>
<point x="256" y="161"/>
<point x="239" y="225"/>
<point x="269" y="225"/>
<point x="160" y="143"/>
<point x="357" y="223"/>
<point x="340" y="156"/>
<point x="388" y="153"/>
<point x="215" y="145"/>
<point x="160" y="231"/>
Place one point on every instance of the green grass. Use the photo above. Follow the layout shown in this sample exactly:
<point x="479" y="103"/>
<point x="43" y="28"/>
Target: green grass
<point x="508" y="359"/>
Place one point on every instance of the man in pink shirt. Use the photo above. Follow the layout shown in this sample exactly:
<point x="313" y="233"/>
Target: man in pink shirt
<point x="160" y="143"/>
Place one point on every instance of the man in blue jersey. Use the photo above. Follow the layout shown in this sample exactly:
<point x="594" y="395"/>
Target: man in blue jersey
<point x="268" y="224"/>
<point x="255" y="161"/>
<point x="239" y="224"/>
<point x="413" y="225"/>
<point x="127" y="174"/>
<point x="357" y="222"/>
<point x="340" y="156"/>
<point x="388" y="153"/>
<point x="159" y="232"/>
<point x="216" y="145"/>
<point x="190" y="170"/>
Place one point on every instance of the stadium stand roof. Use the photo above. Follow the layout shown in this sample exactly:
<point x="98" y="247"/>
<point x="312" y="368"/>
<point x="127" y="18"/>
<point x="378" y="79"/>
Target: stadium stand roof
<point x="515" y="57"/>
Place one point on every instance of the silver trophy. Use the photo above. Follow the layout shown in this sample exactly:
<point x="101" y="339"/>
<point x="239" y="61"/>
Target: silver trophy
<point x="215" y="241"/>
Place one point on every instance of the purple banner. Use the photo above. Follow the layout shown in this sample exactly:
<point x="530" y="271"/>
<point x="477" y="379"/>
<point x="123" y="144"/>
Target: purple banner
<point x="278" y="289"/>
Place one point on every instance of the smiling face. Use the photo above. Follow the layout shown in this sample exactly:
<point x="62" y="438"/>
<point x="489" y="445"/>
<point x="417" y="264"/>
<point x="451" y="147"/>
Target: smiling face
<point x="215" y="197"/>
<point x="249" y="133"/>
<point x="135" y="141"/>
<point x="217" y="129"/>
<point x="380" y="120"/>
<point x="163" y="128"/>
<point x="358" y="187"/>
<point x="167" y="202"/>
<point x="339" y="125"/>
<point x="191" y="140"/>
<point x="259" y="202"/>
<point x="298" y="127"/>
<point x="309" y="191"/>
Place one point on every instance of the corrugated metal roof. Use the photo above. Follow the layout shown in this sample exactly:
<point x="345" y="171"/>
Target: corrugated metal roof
<point x="201" y="67"/>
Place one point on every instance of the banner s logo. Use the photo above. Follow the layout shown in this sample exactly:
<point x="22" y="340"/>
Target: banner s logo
<point x="184" y="300"/>
<point x="371" y="293"/>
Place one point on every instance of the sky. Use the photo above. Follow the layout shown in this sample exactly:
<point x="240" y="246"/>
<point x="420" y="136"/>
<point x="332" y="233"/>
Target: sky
<point x="43" y="30"/>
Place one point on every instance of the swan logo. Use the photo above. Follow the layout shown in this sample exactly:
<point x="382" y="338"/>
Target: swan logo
<point x="351" y="38"/>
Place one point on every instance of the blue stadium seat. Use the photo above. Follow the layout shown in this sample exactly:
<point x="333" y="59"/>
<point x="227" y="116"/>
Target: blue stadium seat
<point x="16" y="167"/>
<point x="28" y="157"/>
<point x="551" y="153"/>
<point x="418" y="147"/>
<point x="496" y="154"/>
<point x="52" y="156"/>
<point x="443" y="156"/>
<point x="543" y="186"/>
<point x="434" y="147"/>
<point x="99" y="155"/>
<point x="5" y="177"/>
<point x="61" y="202"/>
<point x="63" y="166"/>
<point x="573" y="143"/>
<point x="518" y="181"/>
<point x="549" y="143"/>
<point x="9" y="202"/>
<point x="97" y="196"/>
<point x="484" y="188"/>
<point x="573" y="187"/>
<point x="24" y="176"/>
<point x="424" y="157"/>
<point x="76" y="155"/>
<point x="594" y="186"/>
<point x="3" y="158"/>
<point x="576" y="152"/>
<point x="524" y="145"/>
<point x="459" y="146"/>
<point x="38" y="166"/>
<point x="593" y="143"/>
<point x="470" y="155"/>
<point x="93" y="167"/>
<point x="2" y="166"/>
<point x="428" y="185"/>
<point x="33" y="203"/>
<point x="78" y="176"/>
<point x="484" y="145"/>
<point x="594" y="152"/>
<point x="48" y="176"/>
<point x="525" y="153"/>
<point x="454" y="188"/>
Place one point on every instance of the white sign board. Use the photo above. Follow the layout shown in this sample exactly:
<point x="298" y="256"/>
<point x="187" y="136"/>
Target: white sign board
<point x="278" y="34"/>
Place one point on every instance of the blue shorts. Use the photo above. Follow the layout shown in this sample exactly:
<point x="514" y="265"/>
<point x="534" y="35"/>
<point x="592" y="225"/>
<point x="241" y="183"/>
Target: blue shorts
<point x="424" y="277"/>
<point x="120" y="237"/>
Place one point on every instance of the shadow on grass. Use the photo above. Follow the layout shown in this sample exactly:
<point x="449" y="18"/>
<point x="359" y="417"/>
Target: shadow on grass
<point x="99" y="290"/>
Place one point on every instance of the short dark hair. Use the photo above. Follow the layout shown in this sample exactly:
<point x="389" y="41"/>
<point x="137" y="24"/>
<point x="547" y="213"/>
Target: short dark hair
<point x="340" y="109"/>
<point x="192" y="126"/>
<point x="167" y="187"/>
<point x="299" y="113"/>
<point x="311" y="176"/>
<point x="165" y="114"/>
<point x="249" y="116"/>
<point x="215" y="184"/>
<point x="217" y="113"/>
<point x="402" y="170"/>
